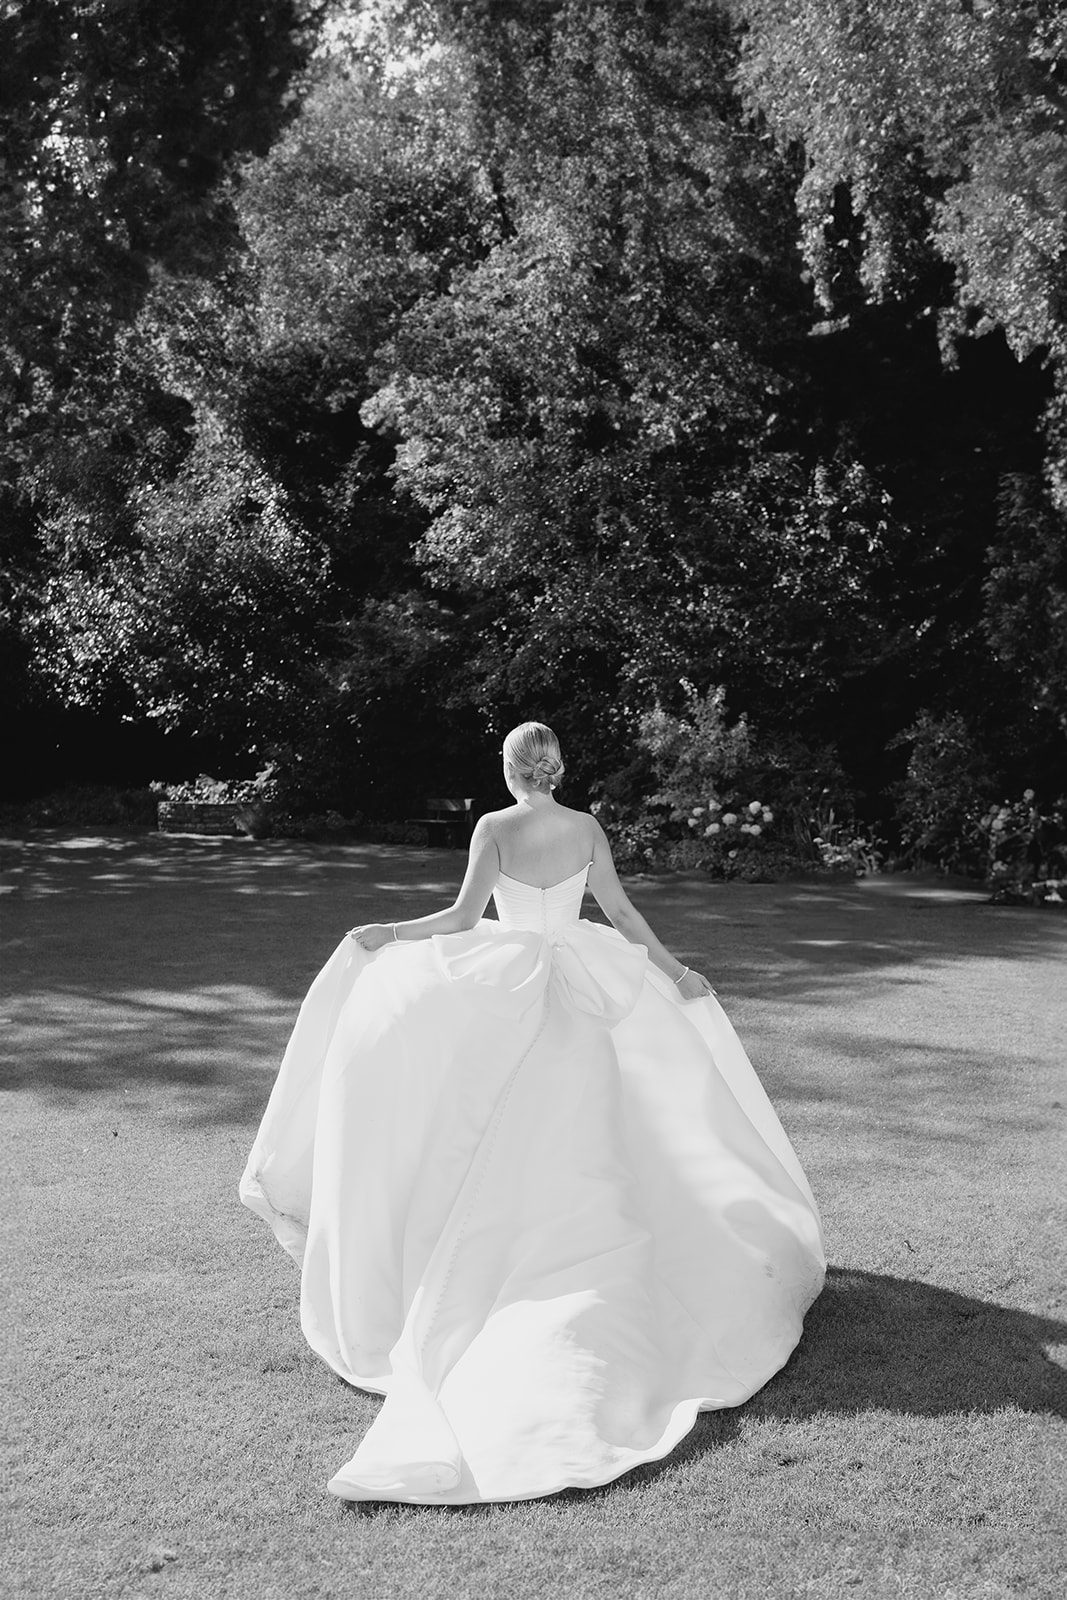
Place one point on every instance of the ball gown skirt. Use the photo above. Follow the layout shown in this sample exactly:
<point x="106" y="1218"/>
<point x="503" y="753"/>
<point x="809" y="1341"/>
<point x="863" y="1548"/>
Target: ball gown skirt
<point x="540" y="1204"/>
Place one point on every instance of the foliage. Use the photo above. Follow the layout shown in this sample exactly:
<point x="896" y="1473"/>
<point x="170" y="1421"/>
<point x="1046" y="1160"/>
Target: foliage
<point x="210" y="620"/>
<point x="84" y="806"/>
<point x="367" y="204"/>
<point x="703" y="810"/>
<point x="768" y="863"/>
<point x="706" y="769"/>
<point x="731" y="822"/>
<point x="842" y="845"/>
<point x="694" y="753"/>
<point x="1026" y="850"/>
<point x="944" y="792"/>
<point x="581" y="414"/>
<point x="489" y="362"/>
<point x="205" y="790"/>
<point x="635" y="839"/>
<point x="119" y="127"/>
<point x="1025" y="593"/>
<point x="945" y="124"/>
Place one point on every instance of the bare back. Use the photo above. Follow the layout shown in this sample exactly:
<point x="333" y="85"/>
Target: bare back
<point x="544" y="845"/>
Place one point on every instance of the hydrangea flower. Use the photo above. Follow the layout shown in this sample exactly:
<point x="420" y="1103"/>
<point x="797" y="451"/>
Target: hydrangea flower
<point x="755" y="807"/>
<point x="729" y="817"/>
<point x="712" y="827"/>
<point x="755" y="828"/>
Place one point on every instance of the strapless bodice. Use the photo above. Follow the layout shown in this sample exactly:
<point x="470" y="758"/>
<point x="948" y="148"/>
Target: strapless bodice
<point x="544" y="911"/>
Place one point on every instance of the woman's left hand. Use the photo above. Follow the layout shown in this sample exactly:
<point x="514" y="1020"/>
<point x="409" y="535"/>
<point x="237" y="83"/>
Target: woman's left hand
<point x="694" y="986"/>
<point x="372" y="935"/>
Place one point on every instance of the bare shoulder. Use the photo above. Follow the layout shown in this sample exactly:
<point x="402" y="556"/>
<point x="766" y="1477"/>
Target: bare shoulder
<point x="491" y="822"/>
<point x="585" y="825"/>
<point x="598" y="837"/>
<point x="489" y="826"/>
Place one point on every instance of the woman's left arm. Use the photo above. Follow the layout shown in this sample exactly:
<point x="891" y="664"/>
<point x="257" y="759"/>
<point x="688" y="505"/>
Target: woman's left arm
<point x="483" y="864"/>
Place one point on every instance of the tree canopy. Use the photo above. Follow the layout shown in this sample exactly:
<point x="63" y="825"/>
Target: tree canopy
<point x="549" y="358"/>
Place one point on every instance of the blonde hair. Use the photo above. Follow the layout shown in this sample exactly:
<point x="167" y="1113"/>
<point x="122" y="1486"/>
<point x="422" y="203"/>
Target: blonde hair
<point x="532" y="751"/>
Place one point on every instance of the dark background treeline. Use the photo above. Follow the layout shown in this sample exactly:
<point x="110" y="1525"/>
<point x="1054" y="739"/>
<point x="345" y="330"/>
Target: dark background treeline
<point x="376" y="377"/>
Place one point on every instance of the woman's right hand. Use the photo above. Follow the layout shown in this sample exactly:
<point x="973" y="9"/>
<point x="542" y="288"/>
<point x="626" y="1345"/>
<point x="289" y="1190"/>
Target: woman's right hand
<point x="694" y="986"/>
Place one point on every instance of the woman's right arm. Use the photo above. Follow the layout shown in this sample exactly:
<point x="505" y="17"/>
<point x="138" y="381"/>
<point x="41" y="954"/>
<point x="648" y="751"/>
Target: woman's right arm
<point x="625" y="917"/>
<point x="483" y="864"/>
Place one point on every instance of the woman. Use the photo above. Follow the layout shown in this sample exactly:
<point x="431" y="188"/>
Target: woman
<point x="540" y="1200"/>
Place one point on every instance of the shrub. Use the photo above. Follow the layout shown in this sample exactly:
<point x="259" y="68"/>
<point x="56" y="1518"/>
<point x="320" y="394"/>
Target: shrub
<point x="634" y="838"/>
<point x="693" y="754"/>
<point x="843" y="846"/>
<point x="84" y="806"/>
<point x="944" y="793"/>
<point x="1026" y="851"/>
<point x="726" y="804"/>
<point x="768" y="862"/>
<point x="205" y="790"/>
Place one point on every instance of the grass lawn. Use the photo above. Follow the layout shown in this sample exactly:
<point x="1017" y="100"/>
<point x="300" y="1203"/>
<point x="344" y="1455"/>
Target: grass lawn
<point x="170" y="1434"/>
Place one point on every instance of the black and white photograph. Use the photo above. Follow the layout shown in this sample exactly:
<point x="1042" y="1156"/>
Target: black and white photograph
<point x="533" y="821"/>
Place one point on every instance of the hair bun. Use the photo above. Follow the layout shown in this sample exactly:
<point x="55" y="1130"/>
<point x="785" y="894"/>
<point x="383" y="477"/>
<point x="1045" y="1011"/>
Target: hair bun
<point x="532" y="752"/>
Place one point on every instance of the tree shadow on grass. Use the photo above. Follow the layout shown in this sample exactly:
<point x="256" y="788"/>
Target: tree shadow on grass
<point x="158" y="961"/>
<point x="874" y="1343"/>
<point x="803" y="941"/>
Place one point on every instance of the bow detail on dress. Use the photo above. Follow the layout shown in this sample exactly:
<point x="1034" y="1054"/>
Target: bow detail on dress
<point x="592" y="970"/>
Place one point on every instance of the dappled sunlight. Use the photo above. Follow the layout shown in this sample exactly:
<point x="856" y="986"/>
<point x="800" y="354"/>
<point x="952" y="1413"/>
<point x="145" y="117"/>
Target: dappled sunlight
<point x="911" y="1045"/>
<point x="48" y="863"/>
<point x="180" y="961"/>
<point x="221" y="1043"/>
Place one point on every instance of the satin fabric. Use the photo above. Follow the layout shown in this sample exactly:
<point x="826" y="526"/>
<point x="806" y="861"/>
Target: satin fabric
<point x="540" y="1204"/>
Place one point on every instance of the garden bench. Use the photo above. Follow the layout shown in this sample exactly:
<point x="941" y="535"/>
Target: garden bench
<point x="449" y="820"/>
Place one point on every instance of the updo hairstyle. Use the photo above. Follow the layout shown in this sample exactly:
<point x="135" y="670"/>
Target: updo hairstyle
<point x="532" y="751"/>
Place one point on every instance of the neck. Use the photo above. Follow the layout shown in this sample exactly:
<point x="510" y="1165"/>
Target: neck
<point x="535" y="797"/>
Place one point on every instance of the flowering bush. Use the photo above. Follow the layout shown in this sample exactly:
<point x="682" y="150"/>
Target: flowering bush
<point x="1026" y="851"/>
<point x="696" y="753"/>
<point x="729" y="849"/>
<point x="207" y="791"/>
<point x="727" y="821"/>
<point x="843" y="847"/>
<point x="718" y="805"/>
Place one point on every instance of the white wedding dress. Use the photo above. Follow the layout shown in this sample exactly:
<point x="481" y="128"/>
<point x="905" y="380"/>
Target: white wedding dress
<point x="540" y="1204"/>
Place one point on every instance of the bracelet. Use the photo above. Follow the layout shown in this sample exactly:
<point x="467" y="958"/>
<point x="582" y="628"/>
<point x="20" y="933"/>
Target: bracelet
<point x="681" y="975"/>
<point x="396" y="936"/>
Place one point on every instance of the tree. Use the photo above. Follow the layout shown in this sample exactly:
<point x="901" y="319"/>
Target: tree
<point x="120" y="125"/>
<point x="927" y="134"/>
<point x="211" y="622"/>
<point x="587" y="414"/>
<point x="1025" y="617"/>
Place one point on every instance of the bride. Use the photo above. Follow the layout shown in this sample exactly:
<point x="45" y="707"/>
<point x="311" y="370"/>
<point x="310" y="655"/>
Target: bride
<point x="540" y="1200"/>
